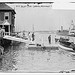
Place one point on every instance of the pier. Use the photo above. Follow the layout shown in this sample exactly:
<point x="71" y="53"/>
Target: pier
<point x="46" y="47"/>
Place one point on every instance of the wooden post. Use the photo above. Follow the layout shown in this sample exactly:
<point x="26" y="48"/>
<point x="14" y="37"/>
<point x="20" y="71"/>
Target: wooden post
<point x="9" y="29"/>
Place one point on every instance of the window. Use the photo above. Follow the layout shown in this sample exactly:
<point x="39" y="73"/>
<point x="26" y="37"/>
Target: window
<point x="6" y="16"/>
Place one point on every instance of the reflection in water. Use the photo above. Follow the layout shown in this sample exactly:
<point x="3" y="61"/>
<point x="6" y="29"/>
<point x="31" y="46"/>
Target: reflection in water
<point x="18" y="58"/>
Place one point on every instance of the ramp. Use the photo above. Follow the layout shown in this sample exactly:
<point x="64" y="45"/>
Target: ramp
<point x="13" y="38"/>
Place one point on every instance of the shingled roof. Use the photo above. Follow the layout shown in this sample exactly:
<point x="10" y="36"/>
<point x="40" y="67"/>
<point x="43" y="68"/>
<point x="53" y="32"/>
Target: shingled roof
<point x="5" y="7"/>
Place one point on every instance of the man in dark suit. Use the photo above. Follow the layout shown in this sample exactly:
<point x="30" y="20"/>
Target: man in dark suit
<point x="49" y="39"/>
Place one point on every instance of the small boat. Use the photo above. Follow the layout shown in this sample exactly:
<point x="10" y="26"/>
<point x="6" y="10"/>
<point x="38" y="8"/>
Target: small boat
<point x="68" y="44"/>
<point x="65" y="47"/>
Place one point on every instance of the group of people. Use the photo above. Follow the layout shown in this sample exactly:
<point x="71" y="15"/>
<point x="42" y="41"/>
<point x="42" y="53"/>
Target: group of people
<point x="32" y="37"/>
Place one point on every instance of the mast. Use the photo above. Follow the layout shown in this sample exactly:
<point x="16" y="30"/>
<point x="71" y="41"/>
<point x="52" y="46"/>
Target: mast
<point x="72" y="28"/>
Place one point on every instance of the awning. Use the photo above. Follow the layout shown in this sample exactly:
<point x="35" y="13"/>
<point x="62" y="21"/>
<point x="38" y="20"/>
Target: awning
<point x="5" y="23"/>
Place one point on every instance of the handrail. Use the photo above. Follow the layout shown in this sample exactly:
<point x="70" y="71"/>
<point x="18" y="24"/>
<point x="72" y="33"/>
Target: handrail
<point x="6" y="33"/>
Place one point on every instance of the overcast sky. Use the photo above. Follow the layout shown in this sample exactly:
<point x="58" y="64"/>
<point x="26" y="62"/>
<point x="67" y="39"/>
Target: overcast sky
<point x="44" y="18"/>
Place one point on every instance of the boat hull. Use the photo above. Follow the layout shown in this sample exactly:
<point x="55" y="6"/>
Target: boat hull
<point x="66" y="45"/>
<point x="70" y="50"/>
<point x="64" y="48"/>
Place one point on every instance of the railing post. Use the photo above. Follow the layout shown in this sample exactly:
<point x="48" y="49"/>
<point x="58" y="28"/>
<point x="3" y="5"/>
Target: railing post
<point x="9" y="29"/>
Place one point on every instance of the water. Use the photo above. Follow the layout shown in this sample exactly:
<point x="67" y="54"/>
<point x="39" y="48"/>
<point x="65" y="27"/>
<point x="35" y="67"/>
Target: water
<point x="19" y="59"/>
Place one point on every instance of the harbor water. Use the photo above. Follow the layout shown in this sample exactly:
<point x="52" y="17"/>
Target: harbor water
<point x="17" y="58"/>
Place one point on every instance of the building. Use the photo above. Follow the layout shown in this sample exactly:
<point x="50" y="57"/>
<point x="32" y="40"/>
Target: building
<point x="7" y="19"/>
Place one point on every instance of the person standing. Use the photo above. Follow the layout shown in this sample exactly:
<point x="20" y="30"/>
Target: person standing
<point x="24" y="34"/>
<point x="49" y="39"/>
<point x="33" y="36"/>
<point x="3" y="31"/>
<point x="29" y="36"/>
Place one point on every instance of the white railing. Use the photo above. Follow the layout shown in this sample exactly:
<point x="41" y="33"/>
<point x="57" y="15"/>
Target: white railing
<point x="7" y="33"/>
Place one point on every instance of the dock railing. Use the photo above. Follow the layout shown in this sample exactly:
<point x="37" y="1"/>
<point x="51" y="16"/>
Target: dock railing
<point x="7" y="33"/>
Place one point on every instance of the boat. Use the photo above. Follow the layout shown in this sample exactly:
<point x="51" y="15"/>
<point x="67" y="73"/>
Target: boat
<point x="65" y="45"/>
<point x="68" y="44"/>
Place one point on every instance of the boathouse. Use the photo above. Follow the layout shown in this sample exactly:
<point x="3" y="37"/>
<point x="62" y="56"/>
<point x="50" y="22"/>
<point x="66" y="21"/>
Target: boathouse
<point x="7" y="18"/>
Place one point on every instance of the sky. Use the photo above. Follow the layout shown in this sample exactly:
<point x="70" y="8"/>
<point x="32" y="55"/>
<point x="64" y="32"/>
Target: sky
<point x="44" y="18"/>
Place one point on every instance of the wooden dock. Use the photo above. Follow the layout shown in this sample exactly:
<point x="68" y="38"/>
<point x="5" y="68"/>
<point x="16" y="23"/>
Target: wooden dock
<point x="14" y="38"/>
<point x="46" y="47"/>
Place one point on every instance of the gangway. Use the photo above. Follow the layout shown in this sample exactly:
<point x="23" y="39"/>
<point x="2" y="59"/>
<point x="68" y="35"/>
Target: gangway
<point x="14" y="38"/>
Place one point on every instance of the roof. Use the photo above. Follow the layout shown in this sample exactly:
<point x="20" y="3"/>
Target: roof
<point x="3" y="6"/>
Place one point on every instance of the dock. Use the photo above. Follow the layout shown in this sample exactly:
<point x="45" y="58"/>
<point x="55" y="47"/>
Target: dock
<point x="45" y="47"/>
<point x="14" y="38"/>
